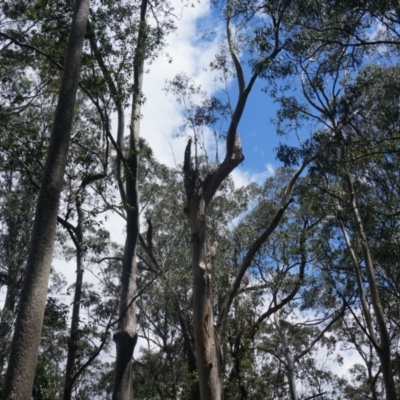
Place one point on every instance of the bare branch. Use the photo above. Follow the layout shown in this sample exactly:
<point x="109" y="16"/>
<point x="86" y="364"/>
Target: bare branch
<point x="338" y="315"/>
<point x="232" y="50"/>
<point x="28" y="46"/>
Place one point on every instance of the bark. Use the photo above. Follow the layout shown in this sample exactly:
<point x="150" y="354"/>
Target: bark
<point x="199" y="194"/>
<point x="290" y="374"/>
<point x="126" y="335"/>
<point x="206" y="343"/>
<point x="21" y="368"/>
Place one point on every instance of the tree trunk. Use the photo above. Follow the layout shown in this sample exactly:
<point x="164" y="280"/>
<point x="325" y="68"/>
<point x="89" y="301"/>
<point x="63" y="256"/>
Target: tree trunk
<point x="7" y="316"/>
<point x="290" y="362"/>
<point x="290" y="374"/>
<point x="126" y="336"/>
<point x="23" y="357"/>
<point x="74" y="334"/>
<point x="207" y="348"/>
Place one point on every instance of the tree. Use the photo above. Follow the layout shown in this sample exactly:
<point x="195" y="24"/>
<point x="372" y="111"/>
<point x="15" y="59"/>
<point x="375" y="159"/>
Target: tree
<point x="357" y="133"/>
<point x="22" y="362"/>
<point x="266" y="42"/>
<point x="147" y="40"/>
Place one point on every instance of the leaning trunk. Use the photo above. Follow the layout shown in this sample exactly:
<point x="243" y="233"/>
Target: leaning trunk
<point x="23" y="357"/>
<point x="207" y="348"/>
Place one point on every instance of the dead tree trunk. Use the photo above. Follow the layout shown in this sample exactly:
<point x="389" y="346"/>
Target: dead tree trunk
<point x="22" y="363"/>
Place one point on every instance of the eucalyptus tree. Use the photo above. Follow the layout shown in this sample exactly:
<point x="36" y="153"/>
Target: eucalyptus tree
<point x="365" y="378"/>
<point x="261" y="333"/>
<point x="146" y="41"/>
<point x="165" y="309"/>
<point x="356" y="112"/>
<point x="264" y="34"/>
<point x="22" y="361"/>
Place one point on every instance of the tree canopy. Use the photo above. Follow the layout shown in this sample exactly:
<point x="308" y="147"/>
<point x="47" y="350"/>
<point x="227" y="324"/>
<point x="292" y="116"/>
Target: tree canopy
<point x="124" y="277"/>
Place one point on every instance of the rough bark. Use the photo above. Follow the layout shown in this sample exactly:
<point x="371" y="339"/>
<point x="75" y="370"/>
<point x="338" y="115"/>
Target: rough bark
<point x="199" y="194"/>
<point x="126" y="335"/>
<point x="206" y="345"/>
<point x="21" y="368"/>
<point x="12" y="258"/>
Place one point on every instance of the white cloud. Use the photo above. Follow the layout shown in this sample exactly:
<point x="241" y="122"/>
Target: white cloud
<point x="242" y="177"/>
<point x="162" y="115"/>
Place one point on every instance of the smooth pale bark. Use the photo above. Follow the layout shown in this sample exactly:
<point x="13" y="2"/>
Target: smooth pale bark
<point x="289" y="359"/>
<point x="23" y="357"/>
<point x="126" y="335"/>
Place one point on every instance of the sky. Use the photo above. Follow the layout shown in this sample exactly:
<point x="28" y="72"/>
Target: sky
<point x="192" y="54"/>
<point x="162" y="116"/>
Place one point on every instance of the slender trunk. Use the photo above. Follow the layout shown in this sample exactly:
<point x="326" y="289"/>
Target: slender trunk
<point x="23" y="357"/>
<point x="371" y="378"/>
<point x="74" y="334"/>
<point x="290" y="374"/>
<point x="188" y="346"/>
<point x="7" y="316"/>
<point x="290" y="362"/>
<point x="207" y="348"/>
<point x="126" y="336"/>
<point x="384" y="347"/>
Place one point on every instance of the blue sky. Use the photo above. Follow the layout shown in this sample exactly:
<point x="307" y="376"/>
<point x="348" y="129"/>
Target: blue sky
<point x="192" y="50"/>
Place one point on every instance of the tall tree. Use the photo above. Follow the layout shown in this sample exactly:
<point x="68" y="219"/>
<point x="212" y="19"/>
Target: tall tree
<point x="126" y="335"/>
<point x="262" y="44"/>
<point x="22" y="362"/>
